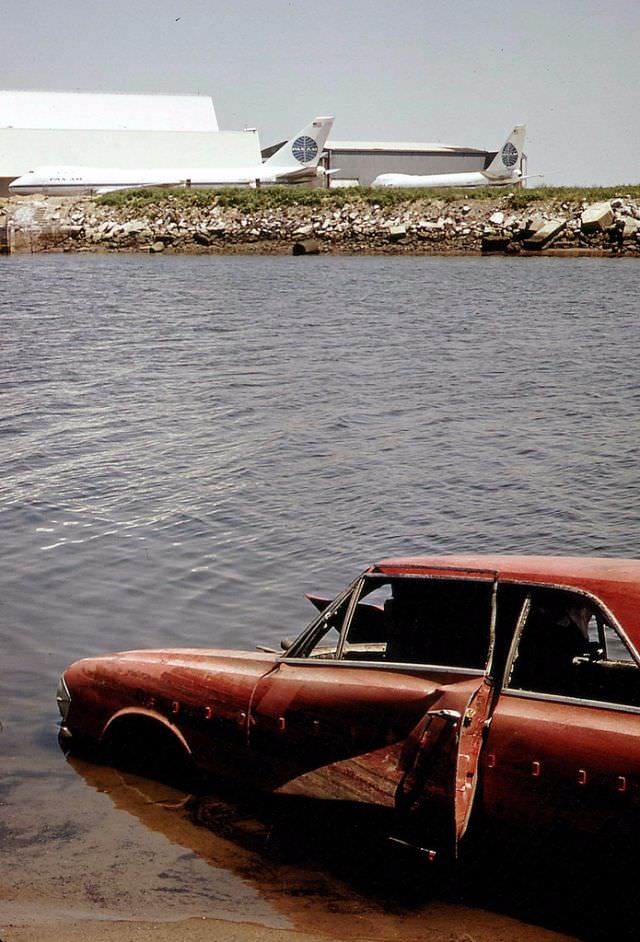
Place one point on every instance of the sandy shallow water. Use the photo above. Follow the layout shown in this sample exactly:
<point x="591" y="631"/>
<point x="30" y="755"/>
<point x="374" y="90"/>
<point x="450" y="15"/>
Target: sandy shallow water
<point x="257" y="884"/>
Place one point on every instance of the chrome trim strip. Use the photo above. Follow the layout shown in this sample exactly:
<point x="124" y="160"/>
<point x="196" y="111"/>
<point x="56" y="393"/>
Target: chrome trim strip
<point x="387" y="665"/>
<point x="570" y="701"/>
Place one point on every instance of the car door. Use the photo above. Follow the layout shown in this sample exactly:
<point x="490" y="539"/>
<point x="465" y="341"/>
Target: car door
<point x="351" y="720"/>
<point x="440" y="761"/>
<point x="563" y="749"/>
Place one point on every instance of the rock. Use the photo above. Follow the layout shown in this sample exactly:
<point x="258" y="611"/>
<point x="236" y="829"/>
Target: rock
<point x="630" y="227"/>
<point x="397" y="232"/>
<point x="497" y="218"/>
<point x="597" y="217"/>
<point x="156" y="247"/>
<point x="134" y="226"/>
<point x="535" y="223"/>
<point x="306" y="247"/>
<point x="494" y="242"/>
<point x="545" y="234"/>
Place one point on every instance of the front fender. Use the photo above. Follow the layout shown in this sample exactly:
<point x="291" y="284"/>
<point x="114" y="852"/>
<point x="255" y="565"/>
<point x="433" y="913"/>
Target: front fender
<point x="147" y="714"/>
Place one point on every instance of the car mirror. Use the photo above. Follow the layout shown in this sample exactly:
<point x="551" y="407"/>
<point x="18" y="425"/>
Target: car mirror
<point x="285" y="643"/>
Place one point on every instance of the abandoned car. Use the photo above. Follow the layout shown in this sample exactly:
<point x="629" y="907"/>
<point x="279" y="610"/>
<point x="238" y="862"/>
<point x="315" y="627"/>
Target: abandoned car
<point x="432" y="686"/>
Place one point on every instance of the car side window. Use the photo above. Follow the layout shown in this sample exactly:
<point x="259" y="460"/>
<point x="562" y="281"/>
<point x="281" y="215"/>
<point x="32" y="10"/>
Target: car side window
<point x="427" y="621"/>
<point x="568" y="648"/>
<point x="430" y="621"/>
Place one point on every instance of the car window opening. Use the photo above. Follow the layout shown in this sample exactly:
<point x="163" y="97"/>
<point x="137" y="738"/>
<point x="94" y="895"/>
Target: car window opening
<point x="568" y="648"/>
<point x="410" y="620"/>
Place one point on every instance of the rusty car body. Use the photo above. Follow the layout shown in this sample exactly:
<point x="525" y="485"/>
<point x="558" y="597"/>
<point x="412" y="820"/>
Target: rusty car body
<point x="431" y="686"/>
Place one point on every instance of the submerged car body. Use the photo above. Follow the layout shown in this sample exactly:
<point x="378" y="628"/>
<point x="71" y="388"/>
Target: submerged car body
<point x="432" y="686"/>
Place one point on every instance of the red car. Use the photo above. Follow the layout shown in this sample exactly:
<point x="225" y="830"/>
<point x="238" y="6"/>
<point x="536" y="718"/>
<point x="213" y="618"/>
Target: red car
<point x="432" y="686"/>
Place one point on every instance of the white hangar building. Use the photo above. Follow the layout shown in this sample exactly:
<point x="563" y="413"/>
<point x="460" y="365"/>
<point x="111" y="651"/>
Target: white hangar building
<point x="112" y="130"/>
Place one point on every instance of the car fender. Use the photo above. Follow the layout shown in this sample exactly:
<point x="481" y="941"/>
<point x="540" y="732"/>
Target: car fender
<point x="148" y="714"/>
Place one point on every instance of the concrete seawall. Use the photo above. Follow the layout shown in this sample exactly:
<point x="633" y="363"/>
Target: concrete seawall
<point x="419" y="226"/>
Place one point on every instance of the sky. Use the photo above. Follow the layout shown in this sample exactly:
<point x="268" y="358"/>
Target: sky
<point x="452" y="72"/>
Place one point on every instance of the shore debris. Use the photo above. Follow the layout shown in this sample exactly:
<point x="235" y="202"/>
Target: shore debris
<point x="422" y="226"/>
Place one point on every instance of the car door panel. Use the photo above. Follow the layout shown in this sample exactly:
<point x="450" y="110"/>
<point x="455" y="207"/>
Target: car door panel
<point x="375" y="736"/>
<point x="347" y="723"/>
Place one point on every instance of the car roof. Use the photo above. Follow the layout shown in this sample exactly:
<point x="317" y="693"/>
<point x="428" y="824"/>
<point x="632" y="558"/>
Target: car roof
<point x="614" y="581"/>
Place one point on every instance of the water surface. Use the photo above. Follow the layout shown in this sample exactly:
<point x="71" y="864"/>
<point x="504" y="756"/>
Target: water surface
<point x="189" y="444"/>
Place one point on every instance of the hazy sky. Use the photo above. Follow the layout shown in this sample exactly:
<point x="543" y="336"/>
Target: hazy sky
<point x="452" y="71"/>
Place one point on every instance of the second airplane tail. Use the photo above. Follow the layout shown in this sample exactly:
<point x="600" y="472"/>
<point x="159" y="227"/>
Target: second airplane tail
<point x="506" y="163"/>
<point x="305" y="149"/>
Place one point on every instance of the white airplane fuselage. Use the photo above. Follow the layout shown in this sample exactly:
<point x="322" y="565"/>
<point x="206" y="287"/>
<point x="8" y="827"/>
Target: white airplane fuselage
<point x="88" y="181"/>
<point x="504" y="169"/>
<point x="472" y="178"/>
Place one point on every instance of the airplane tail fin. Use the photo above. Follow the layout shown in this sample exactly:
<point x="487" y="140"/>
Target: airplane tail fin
<point x="506" y="163"/>
<point x="305" y="149"/>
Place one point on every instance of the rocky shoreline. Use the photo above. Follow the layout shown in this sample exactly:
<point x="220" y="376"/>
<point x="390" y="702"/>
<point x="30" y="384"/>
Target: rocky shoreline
<point x="421" y="226"/>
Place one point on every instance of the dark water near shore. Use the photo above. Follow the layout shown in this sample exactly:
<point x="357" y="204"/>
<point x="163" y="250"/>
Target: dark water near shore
<point x="189" y="444"/>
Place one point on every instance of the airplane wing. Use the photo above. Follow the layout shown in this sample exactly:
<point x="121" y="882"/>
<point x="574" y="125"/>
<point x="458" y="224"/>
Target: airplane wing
<point x="295" y="176"/>
<point x="100" y="191"/>
<point x="305" y="173"/>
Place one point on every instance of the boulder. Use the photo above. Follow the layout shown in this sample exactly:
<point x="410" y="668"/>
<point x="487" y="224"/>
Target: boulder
<point x="397" y="232"/>
<point x="306" y="247"/>
<point x="156" y="247"/>
<point x="597" y="217"/>
<point x="544" y="235"/>
<point x="494" y="242"/>
<point x="536" y="222"/>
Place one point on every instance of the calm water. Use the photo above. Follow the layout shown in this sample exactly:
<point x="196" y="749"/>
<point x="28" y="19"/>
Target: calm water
<point x="189" y="444"/>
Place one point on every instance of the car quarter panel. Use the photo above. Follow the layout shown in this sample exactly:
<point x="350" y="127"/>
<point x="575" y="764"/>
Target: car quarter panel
<point x="552" y="763"/>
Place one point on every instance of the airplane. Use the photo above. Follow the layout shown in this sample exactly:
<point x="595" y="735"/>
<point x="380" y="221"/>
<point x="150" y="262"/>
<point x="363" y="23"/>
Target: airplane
<point x="503" y="170"/>
<point x="296" y="161"/>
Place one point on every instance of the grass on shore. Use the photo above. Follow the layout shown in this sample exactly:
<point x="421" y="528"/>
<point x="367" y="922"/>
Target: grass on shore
<point x="252" y="200"/>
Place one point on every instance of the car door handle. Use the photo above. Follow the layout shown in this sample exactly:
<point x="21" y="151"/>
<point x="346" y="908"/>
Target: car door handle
<point x="453" y="716"/>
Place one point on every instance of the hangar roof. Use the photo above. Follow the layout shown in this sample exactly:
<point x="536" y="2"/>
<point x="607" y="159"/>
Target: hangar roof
<point x="401" y="146"/>
<point x="111" y="111"/>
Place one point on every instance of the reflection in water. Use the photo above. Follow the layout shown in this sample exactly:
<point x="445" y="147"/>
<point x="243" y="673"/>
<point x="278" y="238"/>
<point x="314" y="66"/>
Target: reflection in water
<point x="328" y="867"/>
<point x="299" y="856"/>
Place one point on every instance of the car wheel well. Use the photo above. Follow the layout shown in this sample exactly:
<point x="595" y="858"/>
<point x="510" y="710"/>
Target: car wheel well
<point x="146" y="746"/>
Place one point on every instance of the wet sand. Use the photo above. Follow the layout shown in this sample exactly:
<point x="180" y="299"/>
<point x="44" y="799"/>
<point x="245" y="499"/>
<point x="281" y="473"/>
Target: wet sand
<point x="246" y="880"/>
<point x="442" y="927"/>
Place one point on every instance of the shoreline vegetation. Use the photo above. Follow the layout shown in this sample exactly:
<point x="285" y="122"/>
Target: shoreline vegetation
<point x="602" y="221"/>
